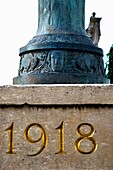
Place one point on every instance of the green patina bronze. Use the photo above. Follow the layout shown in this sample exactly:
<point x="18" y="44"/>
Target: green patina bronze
<point x="59" y="16"/>
<point x="61" y="52"/>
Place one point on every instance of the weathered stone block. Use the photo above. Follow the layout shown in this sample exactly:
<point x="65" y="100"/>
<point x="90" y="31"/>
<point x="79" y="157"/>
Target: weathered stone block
<point x="61" y="127"/>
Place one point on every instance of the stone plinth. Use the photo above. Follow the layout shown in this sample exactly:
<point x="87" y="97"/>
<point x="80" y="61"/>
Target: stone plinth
<point x="56" y="127"/>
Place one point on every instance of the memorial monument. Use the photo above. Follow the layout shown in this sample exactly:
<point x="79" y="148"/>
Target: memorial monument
<point x="58" y="127"/>
<point x="61" y="52"/>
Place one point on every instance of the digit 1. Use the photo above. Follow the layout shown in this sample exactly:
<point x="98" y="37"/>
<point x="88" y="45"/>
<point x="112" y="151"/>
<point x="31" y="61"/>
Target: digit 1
<point x="11" y="139"/>
<point x="61" y="138"/>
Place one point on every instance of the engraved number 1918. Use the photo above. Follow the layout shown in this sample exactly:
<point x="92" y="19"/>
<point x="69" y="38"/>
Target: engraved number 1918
<point x="43" y="138"/>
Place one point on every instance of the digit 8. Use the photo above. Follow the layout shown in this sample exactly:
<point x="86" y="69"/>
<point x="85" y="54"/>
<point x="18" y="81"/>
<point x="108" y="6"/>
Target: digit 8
<point x="86" y="136"/>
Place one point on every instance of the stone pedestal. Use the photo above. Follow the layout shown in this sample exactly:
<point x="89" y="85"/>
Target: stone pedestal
<point x="56" y="127"/>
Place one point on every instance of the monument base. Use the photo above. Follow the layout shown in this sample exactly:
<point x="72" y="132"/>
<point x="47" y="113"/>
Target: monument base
<point x="60" y="78"/>
<point x="60" y="127"/>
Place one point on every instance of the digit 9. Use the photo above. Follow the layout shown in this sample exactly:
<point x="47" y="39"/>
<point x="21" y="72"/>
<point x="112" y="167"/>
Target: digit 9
<point x="42" y="138"/>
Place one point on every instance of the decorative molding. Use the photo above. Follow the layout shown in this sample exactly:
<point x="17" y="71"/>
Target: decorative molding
<point x="61" y="61"/>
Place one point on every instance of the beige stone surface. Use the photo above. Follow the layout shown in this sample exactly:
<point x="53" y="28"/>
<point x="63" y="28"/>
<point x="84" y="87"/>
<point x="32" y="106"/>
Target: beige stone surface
<point x="56" y="94"/>
<point x="48" y="106"/>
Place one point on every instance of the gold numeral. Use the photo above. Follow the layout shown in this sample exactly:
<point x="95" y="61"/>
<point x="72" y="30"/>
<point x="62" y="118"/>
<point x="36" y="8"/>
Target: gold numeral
<point x="11" y="139"/>
<point x="85" y="136"/>
<point x="79" y="143"/>
<point x="43" y="137"/>
<point x="61" y="138"/>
